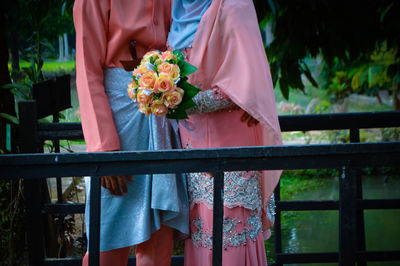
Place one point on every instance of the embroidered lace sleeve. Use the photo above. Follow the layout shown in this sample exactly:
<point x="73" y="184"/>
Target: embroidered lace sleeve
<point x="211" y="101"/>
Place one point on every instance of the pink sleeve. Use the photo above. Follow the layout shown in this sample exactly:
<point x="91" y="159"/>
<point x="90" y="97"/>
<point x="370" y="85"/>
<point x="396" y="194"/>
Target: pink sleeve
<point x="91" y="25"/>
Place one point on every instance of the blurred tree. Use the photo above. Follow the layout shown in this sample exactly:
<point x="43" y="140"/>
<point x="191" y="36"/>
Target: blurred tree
<point x="347" y="33"/>
<point x="29" y="19"/>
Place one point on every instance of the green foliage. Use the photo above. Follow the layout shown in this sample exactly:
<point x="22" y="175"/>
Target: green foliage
<point x="189" y="90"/>
<point x="304" y="29"/>
<point x="322" y="107"/>
<point x="362" y="76"/>
<point x="12" y="221"/>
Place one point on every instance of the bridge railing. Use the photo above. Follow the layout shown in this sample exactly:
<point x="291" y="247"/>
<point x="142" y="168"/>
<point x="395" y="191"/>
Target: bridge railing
<point x="347" y="157"/>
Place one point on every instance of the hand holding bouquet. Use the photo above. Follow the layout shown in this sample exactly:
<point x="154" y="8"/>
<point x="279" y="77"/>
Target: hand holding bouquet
<point x="159" y="85"/>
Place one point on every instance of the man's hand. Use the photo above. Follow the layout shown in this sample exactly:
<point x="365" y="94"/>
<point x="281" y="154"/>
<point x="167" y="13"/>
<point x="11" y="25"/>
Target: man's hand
<point x="116" y="184"/>
<point x="250" y="120"/>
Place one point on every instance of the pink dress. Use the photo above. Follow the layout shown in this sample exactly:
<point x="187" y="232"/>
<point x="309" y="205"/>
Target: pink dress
<point x="232" y="66"/>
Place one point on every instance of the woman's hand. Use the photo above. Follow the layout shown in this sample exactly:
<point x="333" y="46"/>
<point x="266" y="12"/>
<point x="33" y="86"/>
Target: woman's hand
<point x="116" y="184"/>
<point x="250" y="120"/>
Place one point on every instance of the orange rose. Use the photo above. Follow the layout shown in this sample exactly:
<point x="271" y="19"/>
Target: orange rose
<point x="144" y="96"/>
<point x="175" y="74"/>
<point x="167" y="55"/>
<point x="132" y="91"/>
<point x="170" y="69"/>
<point x="144" y="109"/>
<point x="164" y="83"/>
<point x="158" y="108"/>
<point x="174" y="98"/>
<point x="140" y="70"/>
<point x="148" y="79"/>
<point x="165" y="68"/>
<point x="154" y="54"/>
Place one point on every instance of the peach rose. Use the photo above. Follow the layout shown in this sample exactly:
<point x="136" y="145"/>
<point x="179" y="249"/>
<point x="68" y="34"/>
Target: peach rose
<point x="154" y="54"/>
<point x="148" y="79"/>
<point x="176" y="72"/>
<point x="170" y="69"/>
<point x="158" y="108"/>
<point x="174" y="98"/>
<point x="144" y="96"/>
<point x="167" y="55"/>
<point x="144" y="109"/>
<point x="165" y="68"/>
<point x="139" y="70"/>
<point x="132" y="91"/>
<point x="164" y="83"/>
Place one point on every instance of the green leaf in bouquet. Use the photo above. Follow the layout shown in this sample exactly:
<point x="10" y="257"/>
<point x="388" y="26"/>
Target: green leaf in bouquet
<point x="172" y="61"/>
<point x="179" y="56"/>
<point x="177" y="114"/>
<point x="189" y="103"/>
<point x="189" y="89"/>
<point x="157" y="96"/>
<point x="187" y="69"/>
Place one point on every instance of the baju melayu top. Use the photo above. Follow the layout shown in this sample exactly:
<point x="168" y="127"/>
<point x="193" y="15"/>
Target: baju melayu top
<point x="111" y="121"/>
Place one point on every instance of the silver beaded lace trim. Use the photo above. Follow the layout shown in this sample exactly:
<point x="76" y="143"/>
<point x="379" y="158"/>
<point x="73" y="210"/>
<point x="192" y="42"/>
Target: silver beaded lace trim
<point x="210" y="101"/>
<point x="241" y="189"/>
<point x="232" y="237"/>
<point x="271" y="208"/>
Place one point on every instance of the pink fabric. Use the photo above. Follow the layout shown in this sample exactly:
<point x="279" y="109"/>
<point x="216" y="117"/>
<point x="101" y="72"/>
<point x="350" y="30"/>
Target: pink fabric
<point x="157" y="250"/>
<point x="229" y="54"/>
<point x="253" y="253"/>
<point x="114" y="257"/>
<point x="154" y="252"/>
<point x="103" y="32"/>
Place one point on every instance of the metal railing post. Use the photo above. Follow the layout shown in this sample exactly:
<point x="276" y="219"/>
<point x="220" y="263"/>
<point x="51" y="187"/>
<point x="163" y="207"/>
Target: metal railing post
<point x="277" y="224"/>
<point x="32" y="188"/>
<point x="218" y="212"/>
<point x="355" y="138"/>
<point x="94" y="230"/>
<point x="347" y="217"/>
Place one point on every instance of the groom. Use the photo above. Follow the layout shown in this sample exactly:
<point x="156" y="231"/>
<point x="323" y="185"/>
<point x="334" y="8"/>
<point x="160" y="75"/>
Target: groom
<point x="103" y="32"/>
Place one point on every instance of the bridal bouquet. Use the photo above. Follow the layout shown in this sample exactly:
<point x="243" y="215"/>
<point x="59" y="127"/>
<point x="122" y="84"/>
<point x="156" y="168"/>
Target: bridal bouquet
<point x="159" y="85"/>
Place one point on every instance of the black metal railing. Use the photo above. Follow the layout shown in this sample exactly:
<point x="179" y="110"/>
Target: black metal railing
<point x="344" y="156"/>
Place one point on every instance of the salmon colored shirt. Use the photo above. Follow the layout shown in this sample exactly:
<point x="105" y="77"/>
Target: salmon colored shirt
<point x="104" y="29"/>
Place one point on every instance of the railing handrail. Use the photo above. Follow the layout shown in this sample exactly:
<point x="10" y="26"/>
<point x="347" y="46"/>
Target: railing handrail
<point x="198" y="160"/>
<point x="335" y="121"/>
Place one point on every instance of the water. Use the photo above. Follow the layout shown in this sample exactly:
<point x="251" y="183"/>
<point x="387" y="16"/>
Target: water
<point x="317" y="231"/>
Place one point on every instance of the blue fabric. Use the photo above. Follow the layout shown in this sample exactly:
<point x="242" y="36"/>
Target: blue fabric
<point x="186" y="16"/>
<point x="152" y="200"/>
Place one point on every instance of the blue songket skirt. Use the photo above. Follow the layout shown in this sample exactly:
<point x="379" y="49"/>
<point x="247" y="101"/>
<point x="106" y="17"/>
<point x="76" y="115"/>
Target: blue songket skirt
<point x="152" y="200"/>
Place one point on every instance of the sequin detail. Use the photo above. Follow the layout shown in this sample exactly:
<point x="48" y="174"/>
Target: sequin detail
<point x="271" y="208"/>
<point x="232" y="235"/>
<point x="210" y="101"/>
<point x="241" y="189"/>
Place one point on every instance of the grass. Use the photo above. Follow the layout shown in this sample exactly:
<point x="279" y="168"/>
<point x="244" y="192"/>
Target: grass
<point x="51" y="67"/>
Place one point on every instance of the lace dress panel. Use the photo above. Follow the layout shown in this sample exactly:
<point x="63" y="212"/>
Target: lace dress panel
<point x="235" y="232"/>
<point x="241" y="189"/>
